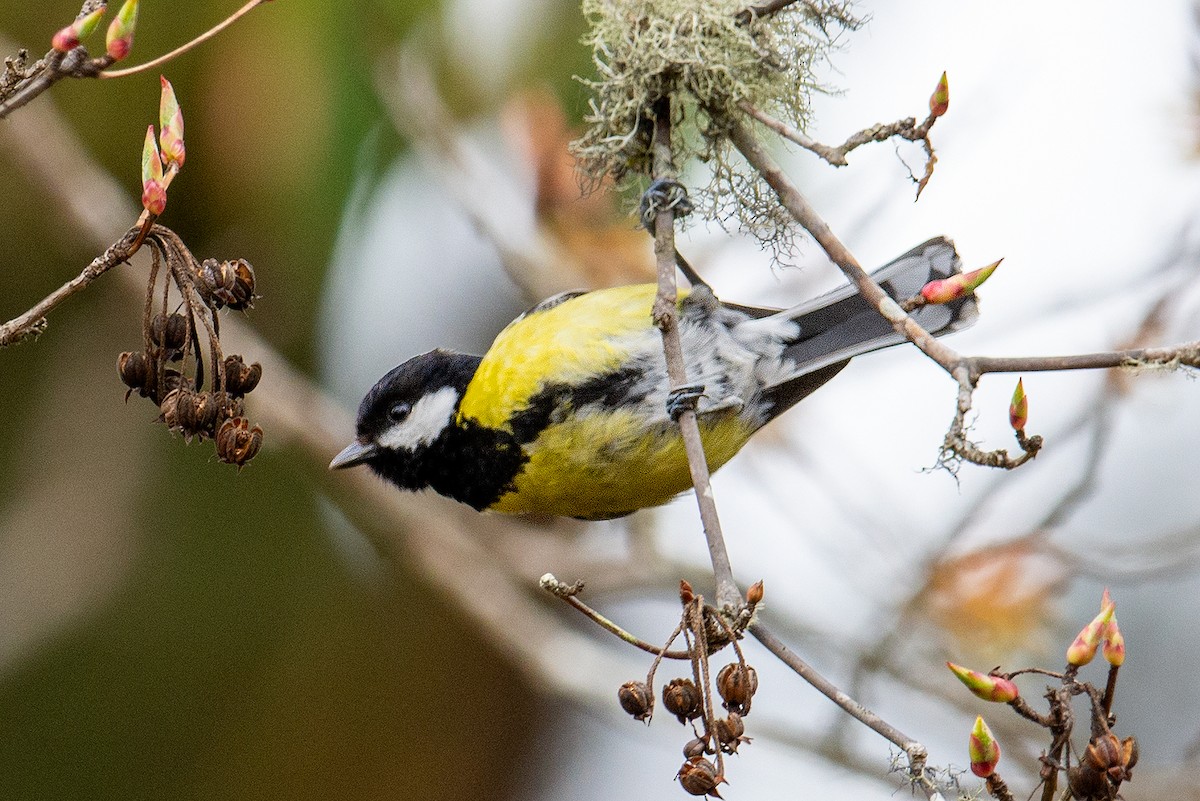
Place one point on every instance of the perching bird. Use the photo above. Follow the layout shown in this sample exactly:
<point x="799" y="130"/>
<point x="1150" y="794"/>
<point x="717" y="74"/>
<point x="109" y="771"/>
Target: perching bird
<point x="567" y="413"/>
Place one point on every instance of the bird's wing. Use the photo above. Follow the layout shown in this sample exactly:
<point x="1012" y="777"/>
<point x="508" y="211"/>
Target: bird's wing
<point x="584" y="345"/>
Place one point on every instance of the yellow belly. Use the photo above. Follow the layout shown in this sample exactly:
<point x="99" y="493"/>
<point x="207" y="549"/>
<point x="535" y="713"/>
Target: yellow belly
<point x="568" y="474"/>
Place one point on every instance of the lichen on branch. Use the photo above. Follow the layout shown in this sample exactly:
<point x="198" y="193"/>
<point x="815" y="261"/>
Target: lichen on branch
<point x="709" y="57"/>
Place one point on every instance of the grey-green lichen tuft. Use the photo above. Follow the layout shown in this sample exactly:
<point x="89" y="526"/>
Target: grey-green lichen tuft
<point x="709" y="56"/>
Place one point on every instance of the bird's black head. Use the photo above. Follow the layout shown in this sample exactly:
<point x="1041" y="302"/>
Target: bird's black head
<point x="407" y="414"/>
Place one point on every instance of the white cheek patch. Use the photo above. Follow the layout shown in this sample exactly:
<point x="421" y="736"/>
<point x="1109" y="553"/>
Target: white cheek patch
<point x="428" y="419"/>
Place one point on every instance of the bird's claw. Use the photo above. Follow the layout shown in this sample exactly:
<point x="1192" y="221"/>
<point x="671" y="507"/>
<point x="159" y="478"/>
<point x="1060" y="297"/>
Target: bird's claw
<point x="663" y="194"/>
<point x="682" y="399"/>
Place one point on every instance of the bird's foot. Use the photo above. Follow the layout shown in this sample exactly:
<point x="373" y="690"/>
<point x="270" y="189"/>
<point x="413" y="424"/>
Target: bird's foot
<point x="682" y="399"/>
<point x="663" y="194"/>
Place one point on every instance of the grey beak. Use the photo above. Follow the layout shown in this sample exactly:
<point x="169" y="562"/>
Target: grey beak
<point x="353" y="454"/>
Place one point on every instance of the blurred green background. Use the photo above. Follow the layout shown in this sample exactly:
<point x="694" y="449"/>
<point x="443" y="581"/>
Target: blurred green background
<point x="170" y="628"/>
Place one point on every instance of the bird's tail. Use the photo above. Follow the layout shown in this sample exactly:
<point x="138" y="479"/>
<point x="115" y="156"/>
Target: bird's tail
<point x="841" y="324"/>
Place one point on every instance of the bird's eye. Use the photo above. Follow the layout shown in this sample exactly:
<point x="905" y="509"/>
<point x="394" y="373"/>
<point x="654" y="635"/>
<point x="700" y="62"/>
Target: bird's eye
<point x="398" y="412"/>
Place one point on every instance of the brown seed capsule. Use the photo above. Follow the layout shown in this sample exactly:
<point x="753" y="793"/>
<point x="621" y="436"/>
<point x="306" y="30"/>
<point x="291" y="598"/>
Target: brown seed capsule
<point x="227" y="283"/>
<point x="169" y="331"/>
<point x="682" y="698"/>
<point x="686" y="593"/>
<point x="243" y="285"/>
<point x="730" y="731"/>
<point x="635" y="699"/>
<point x="238" y="441"/>
<point x="698" y="776"/>
<point x="203" y="415"/>
<point x="241" y="378"/>
<point x="136" y="371"/>
<point x="736" y="687"/>
<point x="695" y="747"/>
<point x="1129" y="752"/>
<point x="169" y="407"/>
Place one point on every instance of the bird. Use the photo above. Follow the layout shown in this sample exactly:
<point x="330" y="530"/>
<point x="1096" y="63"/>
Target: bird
<point x="569" y="413"/>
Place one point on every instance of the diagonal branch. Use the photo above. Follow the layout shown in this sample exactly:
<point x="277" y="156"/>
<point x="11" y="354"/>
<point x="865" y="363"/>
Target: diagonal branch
<point x="666" y="317"/>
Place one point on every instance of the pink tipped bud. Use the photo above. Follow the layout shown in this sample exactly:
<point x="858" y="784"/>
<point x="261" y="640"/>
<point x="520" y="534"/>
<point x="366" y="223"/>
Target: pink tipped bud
<point x="119" y="40"/>
<point x="989" y="688"/>
<point x="944" y="290"/>
<point x="939" y="101"/>
<point x="983" y="750"/>
<point x="69" y="37"/>
<point x="1114" y="644"/>
<point x="154" y="193"/>
<point x="1083" y="649"/>
<point x="170" y="120"/>
<point x="1018" y="409"/>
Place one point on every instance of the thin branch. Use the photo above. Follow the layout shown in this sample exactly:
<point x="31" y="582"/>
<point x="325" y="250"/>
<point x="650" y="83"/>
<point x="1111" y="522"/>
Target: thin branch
<point x="179" y="51"/>
<point x="78" y="64"/>
<point x="33" y="322"/>
<point x="905" y="128"/>
<point x="916" y="752"/>
<point x="666" y="318"/>
<point x="569" y="593"/>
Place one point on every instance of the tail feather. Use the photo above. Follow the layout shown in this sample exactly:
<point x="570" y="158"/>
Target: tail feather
<point x="842" y="324"/>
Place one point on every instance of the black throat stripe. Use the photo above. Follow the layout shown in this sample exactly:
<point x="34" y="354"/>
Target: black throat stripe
<point x="555" y="402"/>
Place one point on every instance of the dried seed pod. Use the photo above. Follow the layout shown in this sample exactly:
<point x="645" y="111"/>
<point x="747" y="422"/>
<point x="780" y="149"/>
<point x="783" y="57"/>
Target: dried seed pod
<point x="698" y="776"/>
<point x="635" y="699"/>
<point x="169" y="407"/>
<point x="227" y="283"/>
<point x="169" y="331"/>
<point x="737" y="687"/>
<point x="730" y="732"/>
<point x="682" y="698"/>
<point x="200" y="417"/>
<point x="137" y="372"/>
<point x="241" y="378"/>
<point x="695" y="747"/>
<point x="238" y="441"/>
<point x="228" y="406"/>
<point x="243" y="285"/>
<point x="172" y="379"/>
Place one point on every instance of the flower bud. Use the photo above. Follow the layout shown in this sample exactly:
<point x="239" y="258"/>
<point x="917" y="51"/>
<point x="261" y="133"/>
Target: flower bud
<point x="154" y="191"/>
<point x="1083" y="649"/>
<point x="944" y="290"/>
<point x="69" y="37"/>
<point x="983" y="750"/>
<point x="939" y="101"/>
<point x="1114" y="644"/>
<point x="754" y="595"/>
<point x="989" y="688"/>
<point x="170" y="123"/>
<point x="119" y="40"/>
<point x="1018" y="408"/>
<point x="686" y="594"/>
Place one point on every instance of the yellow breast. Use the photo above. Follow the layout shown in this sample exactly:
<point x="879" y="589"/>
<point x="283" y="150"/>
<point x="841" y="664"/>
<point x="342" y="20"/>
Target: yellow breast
<point x="606" y="465"/>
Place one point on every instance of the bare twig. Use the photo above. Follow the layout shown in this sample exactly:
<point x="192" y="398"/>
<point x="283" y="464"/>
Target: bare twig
<point x="906" y="128"/>
<point x="916" y="752"/>
<point x="569" y="593"/>
<point x="666" y="318"/>
<point x="78" y="64"/>
<point x="179" y="51"/>
<point x="33" y="322"/>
